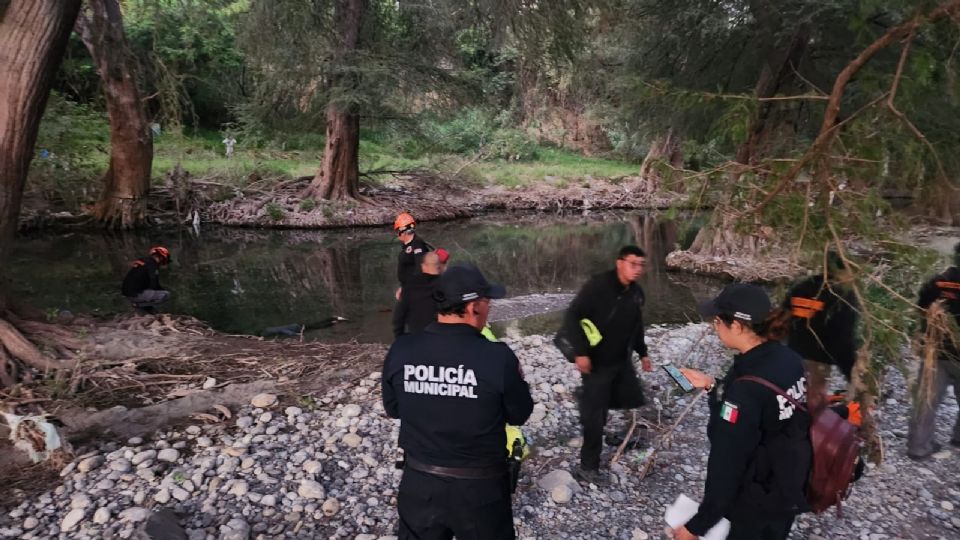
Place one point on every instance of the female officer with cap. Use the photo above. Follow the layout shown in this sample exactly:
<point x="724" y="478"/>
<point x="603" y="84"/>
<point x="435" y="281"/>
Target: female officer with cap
<point x="759" y="447"/>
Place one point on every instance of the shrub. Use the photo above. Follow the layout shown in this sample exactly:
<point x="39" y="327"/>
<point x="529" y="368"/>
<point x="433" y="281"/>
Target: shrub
<point x="307" y="205"/>
<point x="274" y="211"/>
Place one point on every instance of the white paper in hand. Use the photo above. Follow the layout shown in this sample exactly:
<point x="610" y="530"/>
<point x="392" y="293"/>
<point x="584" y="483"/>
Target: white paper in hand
<point x="685" y="508"/>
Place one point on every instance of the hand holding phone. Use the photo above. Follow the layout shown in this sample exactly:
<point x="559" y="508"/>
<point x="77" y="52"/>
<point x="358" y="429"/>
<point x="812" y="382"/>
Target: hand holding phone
<point x="678" y="377"/>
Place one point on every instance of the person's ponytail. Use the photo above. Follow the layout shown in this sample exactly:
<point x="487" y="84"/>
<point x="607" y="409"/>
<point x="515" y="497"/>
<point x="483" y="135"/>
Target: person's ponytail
<point x="775" y="327"/>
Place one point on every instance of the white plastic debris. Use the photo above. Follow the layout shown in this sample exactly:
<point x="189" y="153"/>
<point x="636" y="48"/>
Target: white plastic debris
<point x="33" y="435"/>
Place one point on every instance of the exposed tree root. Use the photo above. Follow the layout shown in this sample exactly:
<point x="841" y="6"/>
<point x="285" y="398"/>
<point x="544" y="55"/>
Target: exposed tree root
<point x="21" y="348"/>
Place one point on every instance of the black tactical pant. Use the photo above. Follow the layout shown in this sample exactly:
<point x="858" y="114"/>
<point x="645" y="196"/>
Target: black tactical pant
<point x="760" y="529"/>
<point x="605" y="387"/>
<point x="438" y="508"/>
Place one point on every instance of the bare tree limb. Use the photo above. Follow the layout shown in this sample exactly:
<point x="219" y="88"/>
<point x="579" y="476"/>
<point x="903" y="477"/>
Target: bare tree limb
<point x="829" y="126"/>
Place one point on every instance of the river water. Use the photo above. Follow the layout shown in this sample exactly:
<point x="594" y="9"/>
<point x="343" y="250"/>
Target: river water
<point x="245" y="280"/>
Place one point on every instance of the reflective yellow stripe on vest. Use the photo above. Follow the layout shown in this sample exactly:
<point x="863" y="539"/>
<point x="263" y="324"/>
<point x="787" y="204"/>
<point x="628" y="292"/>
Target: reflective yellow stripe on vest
<point x="590" y="330"/>
<point x="487" y="332"/>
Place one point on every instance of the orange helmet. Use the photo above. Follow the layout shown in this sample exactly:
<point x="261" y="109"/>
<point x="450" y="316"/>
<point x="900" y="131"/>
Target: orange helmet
<point x="161" y="252"/>
<point x="404" y="222"/>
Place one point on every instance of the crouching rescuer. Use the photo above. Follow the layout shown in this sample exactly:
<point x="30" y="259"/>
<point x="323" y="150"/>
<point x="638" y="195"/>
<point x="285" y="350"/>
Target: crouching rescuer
<point x="141" y="286"/>
<point x="454" y="392"/>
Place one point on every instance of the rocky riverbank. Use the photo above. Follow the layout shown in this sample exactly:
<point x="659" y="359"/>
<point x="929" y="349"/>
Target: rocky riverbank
<point x="294" y="468"/>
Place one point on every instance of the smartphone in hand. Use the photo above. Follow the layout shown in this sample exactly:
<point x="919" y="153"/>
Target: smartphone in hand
<point x="679" y="378"/>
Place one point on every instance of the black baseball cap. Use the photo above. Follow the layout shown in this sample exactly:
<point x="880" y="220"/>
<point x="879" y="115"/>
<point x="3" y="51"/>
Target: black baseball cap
<point x="464" y="283"/>
<point x="742" y="301"/>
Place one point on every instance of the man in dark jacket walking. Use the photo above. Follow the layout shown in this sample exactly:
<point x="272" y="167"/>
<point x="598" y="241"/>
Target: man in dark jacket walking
<point x="416" y="308"/>
<point x="611" y="302"/>
<point x="141" y="285"/>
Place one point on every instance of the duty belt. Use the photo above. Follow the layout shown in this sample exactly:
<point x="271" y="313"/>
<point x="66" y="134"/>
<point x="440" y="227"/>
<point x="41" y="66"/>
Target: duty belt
<point x="460" y="473"/>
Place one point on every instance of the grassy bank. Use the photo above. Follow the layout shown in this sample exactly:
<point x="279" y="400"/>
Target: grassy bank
<point x="203" y="155"/>
<point x="73" y="151"/>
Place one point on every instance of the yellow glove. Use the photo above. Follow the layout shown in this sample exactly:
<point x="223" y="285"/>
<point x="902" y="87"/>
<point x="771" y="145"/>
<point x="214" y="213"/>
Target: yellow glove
<point x="515" y="437"/>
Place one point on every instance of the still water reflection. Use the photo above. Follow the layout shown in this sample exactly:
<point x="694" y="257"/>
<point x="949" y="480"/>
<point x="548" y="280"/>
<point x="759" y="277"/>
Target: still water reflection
<point x="243" y="280"/>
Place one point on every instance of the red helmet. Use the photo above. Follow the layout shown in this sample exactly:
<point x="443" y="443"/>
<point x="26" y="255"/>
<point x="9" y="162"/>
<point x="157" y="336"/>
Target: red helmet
<point x="404" y="222"/>
<point x="162" y="253"/>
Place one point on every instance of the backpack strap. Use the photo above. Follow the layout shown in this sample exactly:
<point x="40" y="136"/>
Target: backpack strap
<point x="763" y="382"/>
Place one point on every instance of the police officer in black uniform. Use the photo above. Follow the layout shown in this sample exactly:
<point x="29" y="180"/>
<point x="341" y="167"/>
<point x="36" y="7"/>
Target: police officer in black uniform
<point x="613" y="302"/>
<point x="454" y="391"/>
<point x="823" y="329"/>
<point x="759" y="443"/>
<point x="943" y="287"/>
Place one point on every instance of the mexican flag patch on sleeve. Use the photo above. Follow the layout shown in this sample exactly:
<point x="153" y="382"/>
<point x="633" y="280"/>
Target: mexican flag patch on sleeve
<point x="729" y="412"/>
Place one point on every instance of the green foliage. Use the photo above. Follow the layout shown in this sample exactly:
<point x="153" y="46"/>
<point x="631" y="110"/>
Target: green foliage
<point x="892" y="320"/>
<point x="476" y="132"/>
<point x="307" y="402"/>
<point x="307" y="205"/>
<point x="72" y="148"/>
<point x="274" y="211"/>
<point x="189" y="57"/>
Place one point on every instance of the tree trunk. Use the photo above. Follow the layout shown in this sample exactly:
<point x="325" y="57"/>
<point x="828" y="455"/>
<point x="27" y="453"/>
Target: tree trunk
<point x="720" y="238"/>
<point x="33" y="37"/>
<point x="779" y="69"/>
<point x="122" y="202"/>
<point x="664" y="150"/>
<point x="339" y="178"/>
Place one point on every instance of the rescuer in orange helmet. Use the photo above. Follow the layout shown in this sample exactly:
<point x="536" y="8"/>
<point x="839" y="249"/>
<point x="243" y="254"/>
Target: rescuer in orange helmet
<point x="413" y="250"/>
<point x="141" y="286"/>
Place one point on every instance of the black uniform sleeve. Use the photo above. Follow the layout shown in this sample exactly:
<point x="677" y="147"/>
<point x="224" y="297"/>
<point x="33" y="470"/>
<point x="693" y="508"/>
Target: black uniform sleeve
<point x="929" y="293"/>
<point x="579" y="309"/>
<point x="732" y="443"/>
<point x="153" y="271"/>
<point x="843" y="326"/>
<point x="389" y="393"/>
<point x="400" y="314"/>
<point x="517" y="401"/>
<point x="639" y="341"/>
<point x="404" y="261"/>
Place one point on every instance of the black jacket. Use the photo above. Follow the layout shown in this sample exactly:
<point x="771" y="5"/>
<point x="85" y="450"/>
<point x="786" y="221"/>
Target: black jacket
<point x="759" y="445"/>
<point x="411" y="255"/>
<point x="144" y="274"/>
<point x="824" y="322"/>
<point x="617" y="311"/>
<point x="454" y="391"/>
<point x="945" y="286"/>
<point x="416" y="308"/>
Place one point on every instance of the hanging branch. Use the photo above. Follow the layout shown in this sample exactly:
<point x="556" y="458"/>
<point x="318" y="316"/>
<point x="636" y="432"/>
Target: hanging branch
<point x="903" y="118"/>
<point x="830" y="127"/>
